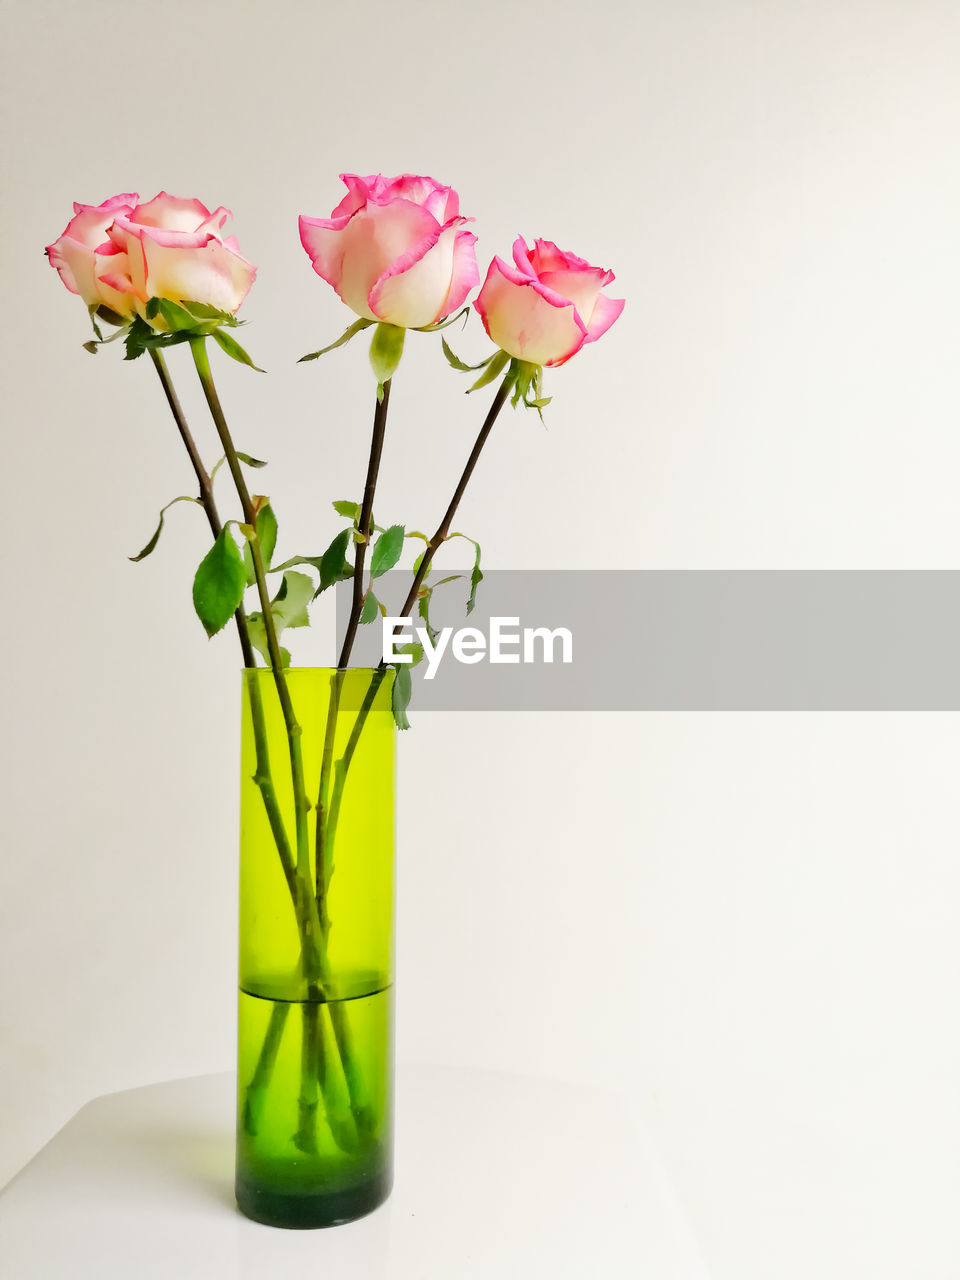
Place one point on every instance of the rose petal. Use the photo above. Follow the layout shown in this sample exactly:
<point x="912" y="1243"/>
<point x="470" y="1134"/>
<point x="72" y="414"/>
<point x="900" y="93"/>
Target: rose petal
<point x="521" y="256"/>
<point x="546" y="256"/>
<point x="85" y="231"/>
<point x="604" y="313"/>
<point x="352" y="252"/>
<point x="75" y="261"/>
<point x="413" y="290"/>
<point x="212" y="274"/>
<point x="171" y="212"/>
<point x="527" y="320"/>
<point x="466" y="273"/>
<point x="581" y="286"/>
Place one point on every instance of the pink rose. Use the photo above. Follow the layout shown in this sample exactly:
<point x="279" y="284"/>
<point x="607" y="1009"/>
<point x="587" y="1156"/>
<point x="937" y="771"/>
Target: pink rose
<point x="545" y="309"/>
<point x="120" y="254"/>
<point x="79" y="253"/>
<point x="394" y="249"/>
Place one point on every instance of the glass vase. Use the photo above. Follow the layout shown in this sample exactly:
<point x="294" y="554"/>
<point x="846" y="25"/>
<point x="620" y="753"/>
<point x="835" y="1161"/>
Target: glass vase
<point x="315" y="1045"/>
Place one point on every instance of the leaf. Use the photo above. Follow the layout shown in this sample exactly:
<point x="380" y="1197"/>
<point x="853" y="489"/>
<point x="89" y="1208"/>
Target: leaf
<point x="400" y="696"/>
<point x="313" y="561"/>
<point x="415" y="650"/>
<point x="334" y="560"/>
<point x="386" y="550"/>
<point x="267" y="538"/>
<point x="91" y="346"/>
<point x="156" y="537"/>
<point x="289" y="605"/>
<point x="493" y="369"/>
<point x="349" y="509"/>
<point x="455" y="362"/>
<point x="371" y="607"/>
<point x="288" y="609"/>
<point x="357" y="327"/>
<point x="258" y="638"/>
<point x="245" y="457"/>
<point x="476" y="577"/>
<point x="232" y="348"/>
<point x="386" y="348"/>
<point x="423" y="608"/>
<point x="219" y="583"/>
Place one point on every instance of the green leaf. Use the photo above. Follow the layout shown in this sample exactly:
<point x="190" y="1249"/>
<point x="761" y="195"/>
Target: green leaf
<point x="289" y="605"/>
<point x="416" y="650"/>
<point x="455" y="362"/>
<point x="371" y="607"/>
<point x="493" y="369"/>
<point x="313" y="561"/>
<point x="251" y="462"/>
<point x="423" y="608"/>
<point x="288" y="609"/>
<point x="156" y="537"/>
<point x="334" y="560"/>
<point x="386" y="550"/>
<point x="386" y="348"/>
<point x="267" y="538"/>
<point x="349" y="509"/>
<point x="232" y="348"/>
<point x="258" y="638"/>
<point x="219" y="583"/>
<point x="476" y="576"/>
<point x="400" y="696"/>
<point x="357" y="327"/>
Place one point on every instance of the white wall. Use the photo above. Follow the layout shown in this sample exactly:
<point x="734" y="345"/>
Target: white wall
<point x="746" y="924"/>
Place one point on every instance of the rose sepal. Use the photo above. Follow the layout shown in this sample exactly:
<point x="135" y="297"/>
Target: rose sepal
<point x="169" y="323"/>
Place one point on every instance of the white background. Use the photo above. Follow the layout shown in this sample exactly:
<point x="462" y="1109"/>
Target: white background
<point x="743" y="925"/>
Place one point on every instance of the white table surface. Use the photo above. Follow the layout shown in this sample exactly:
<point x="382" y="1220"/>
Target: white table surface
<point x="497" y="1176"/>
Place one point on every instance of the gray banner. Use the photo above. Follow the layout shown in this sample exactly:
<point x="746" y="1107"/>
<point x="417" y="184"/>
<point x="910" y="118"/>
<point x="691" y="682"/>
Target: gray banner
<point x="690" y="641"/>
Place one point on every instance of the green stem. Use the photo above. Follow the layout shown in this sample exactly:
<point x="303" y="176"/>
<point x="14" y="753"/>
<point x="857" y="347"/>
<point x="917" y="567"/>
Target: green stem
<point x="263" y="778"/>
<point x="365" y="524"/>
<point x="443" y="530"/>
<point x="301" y="805"/>
<point x="324" y="868"/>
<point x="205" y="483"/>
<point x="299" y="878"/>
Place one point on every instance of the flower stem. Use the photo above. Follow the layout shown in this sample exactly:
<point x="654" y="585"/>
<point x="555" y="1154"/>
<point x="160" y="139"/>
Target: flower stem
<point x="205" y="483"/>
<point x="263" y="778"/>
<point x="200" y="359"/>
<point x="443" y="530"/>
<point x="365" y="523"/>
<point x="299" y="877"/>
<point x="324" y="868"/>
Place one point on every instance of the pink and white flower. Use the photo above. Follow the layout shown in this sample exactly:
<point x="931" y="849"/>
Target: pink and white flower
<point x="121" y="253"/>
<point x="544" y="309"/>
<point x="395" y="249"/>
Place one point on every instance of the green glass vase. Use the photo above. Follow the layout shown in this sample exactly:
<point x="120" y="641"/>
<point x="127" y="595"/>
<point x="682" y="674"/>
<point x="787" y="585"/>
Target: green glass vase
<point x="315" y="1052"/>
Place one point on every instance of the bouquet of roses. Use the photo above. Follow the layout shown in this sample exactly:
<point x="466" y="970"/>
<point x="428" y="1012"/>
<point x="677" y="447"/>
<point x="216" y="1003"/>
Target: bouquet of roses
<point x="399" y="253"/>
